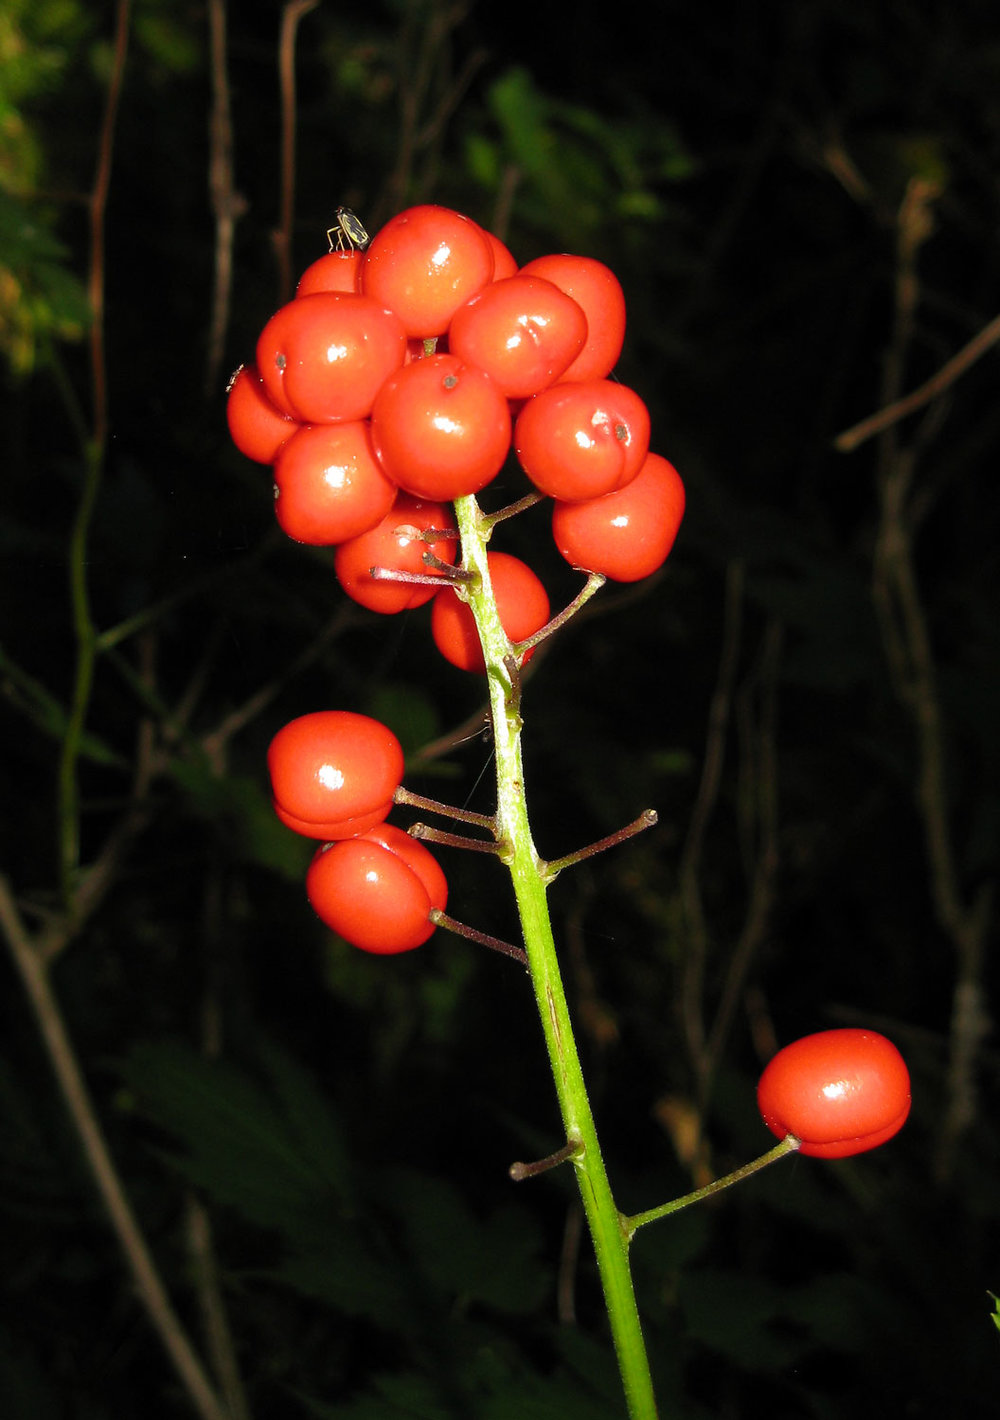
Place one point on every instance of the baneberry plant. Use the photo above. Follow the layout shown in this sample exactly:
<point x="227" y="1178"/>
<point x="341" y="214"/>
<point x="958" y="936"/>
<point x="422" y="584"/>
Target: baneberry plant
<point x="396" y="386"/>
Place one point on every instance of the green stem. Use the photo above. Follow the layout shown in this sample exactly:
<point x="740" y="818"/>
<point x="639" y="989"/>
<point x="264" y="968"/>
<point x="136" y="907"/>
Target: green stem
<point x="788" y="1145"/>
<point x="527" y="870"/>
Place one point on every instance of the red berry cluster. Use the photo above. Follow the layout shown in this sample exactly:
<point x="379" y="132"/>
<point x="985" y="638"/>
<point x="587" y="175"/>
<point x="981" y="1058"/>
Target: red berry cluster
<point x="400" y="377"/>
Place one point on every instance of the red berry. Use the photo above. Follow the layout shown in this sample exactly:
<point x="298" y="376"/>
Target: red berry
<point x="333" y="773"/>
<point x="257" y="427"/>
<point x="395" y="543"/>
<point x="523" y="331"/>
<point x="582" y="440"/>
<point x="504" y="264"/>
<point x="441" y="428"/>
<point x="328" y="484"/>
<point x="596" y="289"/>
<point x="522" y="605"/>
<point x="377" y="890"/>
<point x="334" y="271"/>
<point x="423" y="264"/>
<point x="628" y="534"/>
<point x="323" y="358"/>
<point x="840" y="1092"/>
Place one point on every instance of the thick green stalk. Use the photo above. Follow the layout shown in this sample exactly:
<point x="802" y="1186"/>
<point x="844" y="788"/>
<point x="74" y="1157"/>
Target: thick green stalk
<point x="526" y="868"/>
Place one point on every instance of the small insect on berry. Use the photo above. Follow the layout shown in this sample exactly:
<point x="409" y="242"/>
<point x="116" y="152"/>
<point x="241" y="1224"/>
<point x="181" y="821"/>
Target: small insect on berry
<point x="348" y="232"/>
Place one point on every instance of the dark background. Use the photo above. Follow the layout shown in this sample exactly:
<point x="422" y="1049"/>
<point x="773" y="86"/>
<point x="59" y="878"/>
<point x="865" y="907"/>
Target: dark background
<point x="802" y="203"/>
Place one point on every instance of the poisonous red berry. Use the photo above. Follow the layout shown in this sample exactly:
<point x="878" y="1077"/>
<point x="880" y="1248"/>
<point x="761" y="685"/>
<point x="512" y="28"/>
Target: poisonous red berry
<point x="597" y="290"/>
<point x="333" y="773"/>
<point x="582" y="439"/>
<point x="423" y="264"/>
<point x="324" y="357"/>
<point x="377" y="890"/>
<point x="840" y="1092"/>
<point x="522" y="605"/>
<point x="628" y="534"/>
<point x="503" y="262"/>
<point x="333" y="271"/>
<point x="257" y="427"/>
<point x="395" y="543"/>
<point x="441" y="427"/>
<point x="523" y="331"/>
<point x="328" y="484"/>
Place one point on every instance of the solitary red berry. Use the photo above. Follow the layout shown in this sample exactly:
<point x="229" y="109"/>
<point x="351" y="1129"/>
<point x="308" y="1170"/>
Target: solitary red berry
<point x="840" y="1092"/>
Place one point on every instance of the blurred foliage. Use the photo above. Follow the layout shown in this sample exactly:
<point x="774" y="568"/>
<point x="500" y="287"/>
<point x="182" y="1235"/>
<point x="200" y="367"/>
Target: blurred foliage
<point x="348" y="1121"/>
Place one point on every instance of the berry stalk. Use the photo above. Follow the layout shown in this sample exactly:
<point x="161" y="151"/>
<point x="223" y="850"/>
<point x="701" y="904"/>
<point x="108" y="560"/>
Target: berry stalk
<point x="528" y="875"/>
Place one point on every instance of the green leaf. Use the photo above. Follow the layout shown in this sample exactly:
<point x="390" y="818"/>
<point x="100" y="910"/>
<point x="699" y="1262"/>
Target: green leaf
<point x="397" y="1397"/>
<point x="247" y="1143"/>
<point x="734" y="1314"/>
<point x="242" y="811"/>
<point x="39" y="296"/>
<point x="409" y="713"/>
<point x="840" y="1311"/>
<point x="492" y="1261"/>
<point x="482" y="160"/>
<point x="342" y="1269"/>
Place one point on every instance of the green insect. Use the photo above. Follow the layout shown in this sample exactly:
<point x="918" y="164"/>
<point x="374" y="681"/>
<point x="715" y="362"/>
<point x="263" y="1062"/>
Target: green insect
<point x="348" y="232"/>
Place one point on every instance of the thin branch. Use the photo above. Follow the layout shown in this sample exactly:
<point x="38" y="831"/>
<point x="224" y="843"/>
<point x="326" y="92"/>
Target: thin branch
<point x="93" y="459"/>
<point x="227" y="205"/>
<point x="215" y="1322"/>
<point x="761" y="751"/>
<point x="551" y="870"/>
<point x="97" y="207"/>
<point x="708" y="793"/>
<point x="472" y="934"/>
<point x="949" y="373"/>
<point x="427" y="833"/>
<point x="292" y="13"/>
<point x="76" y="1096"/>
<point x="913" y="669"/>
<point x="435" y="806"/>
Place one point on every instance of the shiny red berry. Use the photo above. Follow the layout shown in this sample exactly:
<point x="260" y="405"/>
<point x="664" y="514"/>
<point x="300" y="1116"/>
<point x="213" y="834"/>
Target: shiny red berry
<point x="377" y="890"/>
<point x="597" y="290"/>
<point x="423" y="264"/>
<point x="441" y="427"/>
<point x="257" y="426"/>
<point x="627" y="534"/>
<point x="522" y="330"/>
<point x="582" y="439"/>
<point x="324" y="357"/>
<point x="840" y="1092"/>
<point x="328" y="484"/>
<point x="334" y="773"/>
